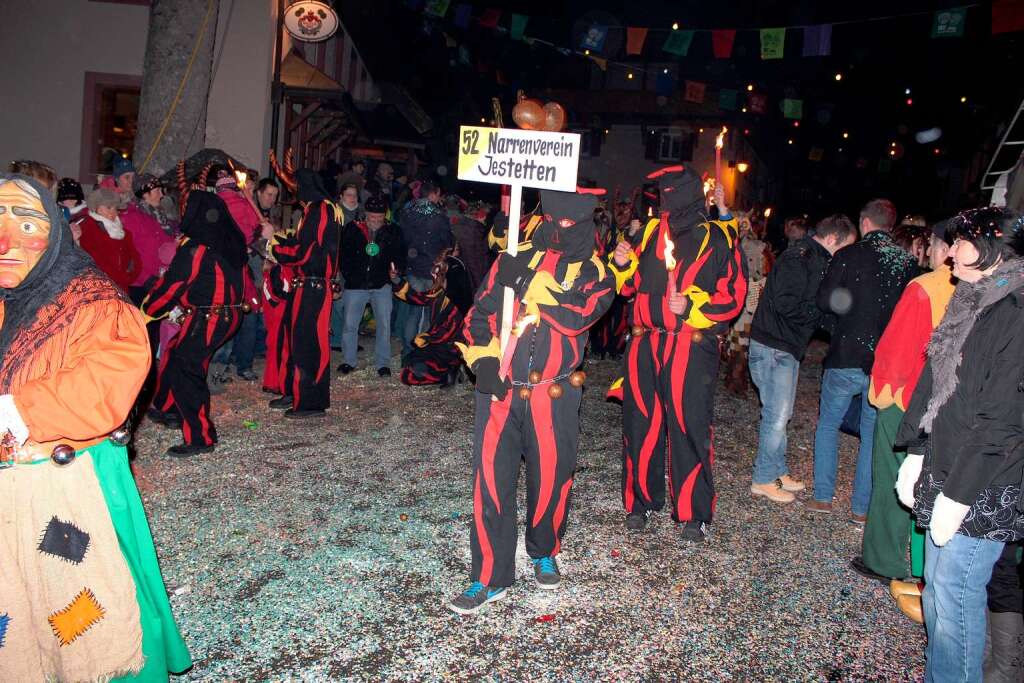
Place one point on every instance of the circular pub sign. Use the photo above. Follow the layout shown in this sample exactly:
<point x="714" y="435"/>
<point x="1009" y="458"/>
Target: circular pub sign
<point x="310" y="21"/>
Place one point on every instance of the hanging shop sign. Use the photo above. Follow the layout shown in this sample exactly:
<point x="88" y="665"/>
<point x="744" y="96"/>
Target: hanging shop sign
<point x="310" y="21"/>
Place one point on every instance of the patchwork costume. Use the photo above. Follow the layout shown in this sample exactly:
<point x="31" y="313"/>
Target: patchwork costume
<point x="528" y="398"/>
<point x="671" y="363"/>
<point x="202" y="289"/>
<point x="82" y="598"/>
<point x="312" y="254"/>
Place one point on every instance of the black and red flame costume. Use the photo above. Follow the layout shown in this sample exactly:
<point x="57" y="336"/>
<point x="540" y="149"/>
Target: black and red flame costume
<point x="204" y="281"/>
<point x="435" y="358"/>
<point x="277" y="282"/>
<point x="671" y="362"/>
<point x="312" y="257"/>
<point x="561" y="289"/>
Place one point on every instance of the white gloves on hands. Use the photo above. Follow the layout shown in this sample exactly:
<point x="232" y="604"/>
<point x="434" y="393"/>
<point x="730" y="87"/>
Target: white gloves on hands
<point x="947" y="516"/>
<point x="910" y="472"/>
<point x="175" y="315"/>
<point x="10" y="420"/>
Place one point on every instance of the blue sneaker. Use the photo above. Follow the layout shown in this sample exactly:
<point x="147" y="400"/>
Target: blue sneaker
<point x="545" y="570"/>
<point x="474" y="598"/>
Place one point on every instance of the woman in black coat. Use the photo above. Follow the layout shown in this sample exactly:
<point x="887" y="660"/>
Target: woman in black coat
<point x="964" y="433"/>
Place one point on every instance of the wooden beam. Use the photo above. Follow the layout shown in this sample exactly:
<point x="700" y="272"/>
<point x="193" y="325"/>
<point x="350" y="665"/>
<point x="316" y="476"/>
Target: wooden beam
<point x="306" y="112"/>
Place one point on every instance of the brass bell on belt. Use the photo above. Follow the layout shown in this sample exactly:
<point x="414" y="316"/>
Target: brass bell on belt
<point x="246" y="307"/>
<point x="63" y="454"/>
<point x="637" y="330"/>
<point x="524" y="393"/>
<point x="555" y="390"/>
<point x="535" y="376"/>
<point x="121" y="436"/>
<point x="577" y="378"/>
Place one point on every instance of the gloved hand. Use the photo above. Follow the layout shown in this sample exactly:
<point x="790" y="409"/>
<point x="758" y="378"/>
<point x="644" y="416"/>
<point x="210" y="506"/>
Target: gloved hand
<point x="947" y="516"/>
<point x="487" y="380"/>
<point x="420" y="340"/>
<point x="11" y="420"/>
<point x="910" y="472"/>
<point x="512" y="272"/>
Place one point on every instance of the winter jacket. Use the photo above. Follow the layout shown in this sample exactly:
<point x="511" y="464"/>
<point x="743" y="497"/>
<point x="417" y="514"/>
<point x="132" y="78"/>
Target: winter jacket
<point x="245" y="216"/>
<point x="427" y="233"/>
<point x="155" y="247"/>
<point x="359" y="269"/>
<point x="116" y="258"/>
<point x="787" y="313"/>
<point x="975" y="452"/>
<point x="471" y="236"/>
<point x="861" y="287"/>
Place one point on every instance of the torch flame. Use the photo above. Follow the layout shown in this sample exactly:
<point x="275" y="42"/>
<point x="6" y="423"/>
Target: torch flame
<point x="709" y="185"/>
<point x="241" y="177"/>
<point x="670" y="259"/>
<point x="523" y="323"/>
<point x="720" y="140"/>
<point x="650" y="211"/>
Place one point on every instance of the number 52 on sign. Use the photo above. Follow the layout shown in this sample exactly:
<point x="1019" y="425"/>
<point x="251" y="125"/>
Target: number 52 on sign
<point x="527" y="158"/>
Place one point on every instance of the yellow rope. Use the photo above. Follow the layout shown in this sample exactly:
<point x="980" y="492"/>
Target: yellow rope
<point x="181" y="87"/>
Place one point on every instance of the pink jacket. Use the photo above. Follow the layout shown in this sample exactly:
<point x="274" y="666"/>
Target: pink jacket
<point x="242" y="212"/>
<point x="155" y="247"/>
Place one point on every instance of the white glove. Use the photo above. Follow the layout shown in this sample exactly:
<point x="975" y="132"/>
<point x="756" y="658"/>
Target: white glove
<point x="175" y="315"/>
<point x="910" y="472"/>
<point x="10" y="420"/>
<point x="947" y="516"/>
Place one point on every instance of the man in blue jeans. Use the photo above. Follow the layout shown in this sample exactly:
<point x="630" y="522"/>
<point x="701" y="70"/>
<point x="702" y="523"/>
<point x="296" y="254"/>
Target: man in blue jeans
<point x="860" y="290"/>
<point x="785" y="319"/>
<point x="370" y="248"/>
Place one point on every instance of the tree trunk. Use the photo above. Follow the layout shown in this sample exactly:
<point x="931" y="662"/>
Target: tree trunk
<point x="174" y="28"/>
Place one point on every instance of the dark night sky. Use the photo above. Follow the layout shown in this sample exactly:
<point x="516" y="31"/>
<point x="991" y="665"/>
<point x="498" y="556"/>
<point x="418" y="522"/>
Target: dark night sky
<point x="878" y="60"/>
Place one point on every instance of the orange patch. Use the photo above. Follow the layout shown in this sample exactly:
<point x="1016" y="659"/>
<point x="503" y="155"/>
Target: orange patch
<point x="77" y="618"/>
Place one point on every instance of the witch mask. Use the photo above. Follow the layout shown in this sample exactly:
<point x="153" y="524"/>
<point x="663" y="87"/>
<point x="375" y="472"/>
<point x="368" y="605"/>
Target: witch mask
<point x="24" y="231"/>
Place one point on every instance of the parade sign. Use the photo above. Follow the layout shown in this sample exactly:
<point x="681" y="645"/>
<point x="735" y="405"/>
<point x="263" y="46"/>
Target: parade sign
<point x="527" y="158"/>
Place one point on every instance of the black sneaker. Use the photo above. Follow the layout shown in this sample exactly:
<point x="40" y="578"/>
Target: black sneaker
<point x="857" y="565"/>
<point x="474" y="598"/>
<point x="694" y="531"/>
<point x="283" y="403"/>
<point x="636" y="521"/>
<point x="345" y="368"/>
<point x="186" y="451"/>
<point x="384" y="372"/>
<point x="545" y="570"/>
<point x="293" y="414"/>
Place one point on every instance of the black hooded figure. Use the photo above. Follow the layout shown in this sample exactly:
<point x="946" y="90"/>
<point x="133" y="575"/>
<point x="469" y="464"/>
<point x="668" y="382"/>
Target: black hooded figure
<point x="693" y="265"/>
<point x="528" y="399"/>
<point x="312" y="254"/>
<point x="202" y="290"/>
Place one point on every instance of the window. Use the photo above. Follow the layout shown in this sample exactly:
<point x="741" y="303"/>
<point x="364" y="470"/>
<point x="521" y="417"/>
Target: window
<point x="110" y="117"/>
<point x="670" y="145"/>
<point x="667" y="144"/>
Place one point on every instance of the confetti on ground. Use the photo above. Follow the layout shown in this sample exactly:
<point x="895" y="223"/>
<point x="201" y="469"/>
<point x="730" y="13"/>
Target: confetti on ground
<point x="324" y="551"/>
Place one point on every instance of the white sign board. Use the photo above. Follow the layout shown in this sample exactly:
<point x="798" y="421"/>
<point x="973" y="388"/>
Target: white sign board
<point x="528" y="158"/>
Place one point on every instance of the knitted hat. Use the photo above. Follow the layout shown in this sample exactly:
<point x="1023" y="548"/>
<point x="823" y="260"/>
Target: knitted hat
<point x="103" y="196"/>
<point x="122" y="166"/>
<point x="145" y="183"/>
<point x="69" y="188"/>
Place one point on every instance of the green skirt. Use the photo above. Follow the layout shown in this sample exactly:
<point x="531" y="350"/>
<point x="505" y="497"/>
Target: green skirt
<point x="162" y="645"/>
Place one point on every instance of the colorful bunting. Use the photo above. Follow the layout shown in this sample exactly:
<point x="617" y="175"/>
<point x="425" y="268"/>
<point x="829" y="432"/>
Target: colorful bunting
<point x="678" y="43"/>
<point x="824" y="114"/>
<point x="694" y="91"/>
<point x="518" y="26"/>
<point x="949" y="23"/>
<point x="601" y="62"/>
<point x="727" y="99"/>
<point x="816" y="154"/>
<point x="463" y="13"/>
<point x="635" y="38"/>
<point x="757" y="103"/>
<point x="490" y="18"/>
<point x="438" y="8"/>
<point x="594" y="38"/>
<point x="773" y="43"/>
<point x="792" y="109"/>
<point x="1007" y="16"/>
<point x="818" y="40"/>
<point x="721" y="42"/>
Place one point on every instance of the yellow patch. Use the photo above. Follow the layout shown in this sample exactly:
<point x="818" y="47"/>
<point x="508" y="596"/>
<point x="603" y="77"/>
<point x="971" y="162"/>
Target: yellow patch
<point x="79" y="616"/>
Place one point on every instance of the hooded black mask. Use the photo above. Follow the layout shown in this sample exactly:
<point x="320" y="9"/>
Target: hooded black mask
<point x="311" y="186"/>
<point x="682" y="196"/>
<point x="568" y="225"/>
<point x="207" y="221"/>
<point x="62" y="262"/>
